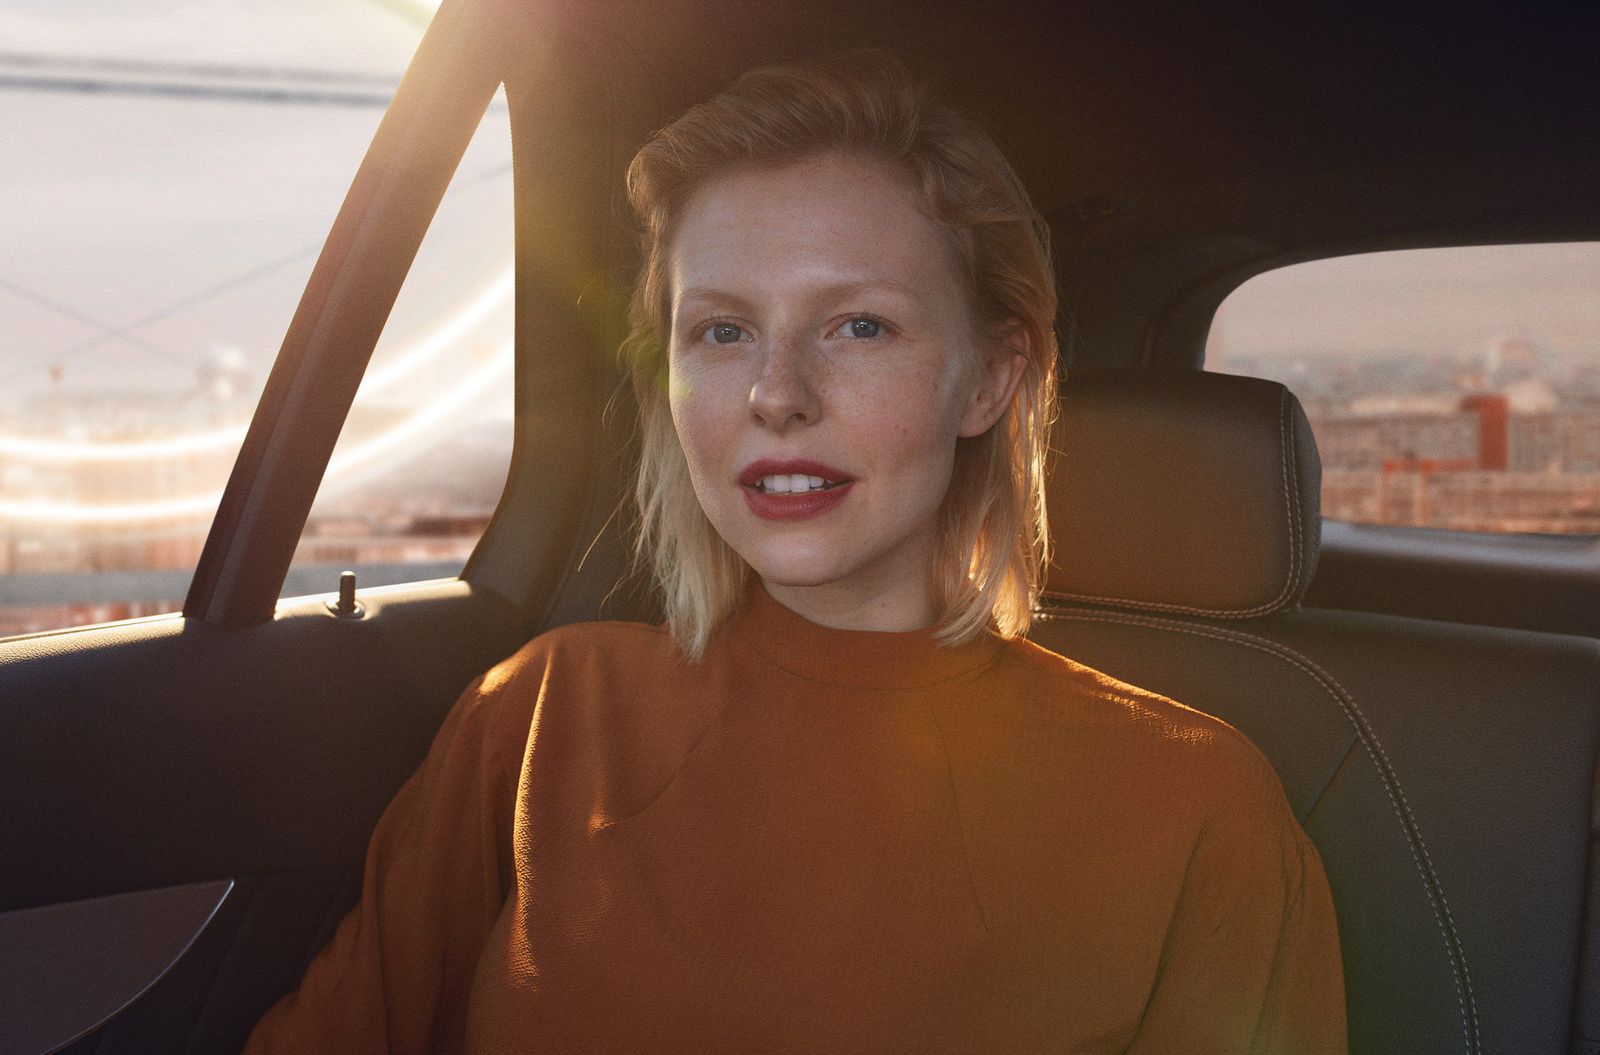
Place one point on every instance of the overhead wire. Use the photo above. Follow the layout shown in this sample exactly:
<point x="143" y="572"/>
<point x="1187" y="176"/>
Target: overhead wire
<point x="345" y="461"/>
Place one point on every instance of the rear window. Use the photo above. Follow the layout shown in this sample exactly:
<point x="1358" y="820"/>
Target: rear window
<point x="1449" y="388"/>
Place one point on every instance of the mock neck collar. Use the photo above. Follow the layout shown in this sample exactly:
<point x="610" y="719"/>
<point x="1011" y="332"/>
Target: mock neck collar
<point x="863" y="659"/>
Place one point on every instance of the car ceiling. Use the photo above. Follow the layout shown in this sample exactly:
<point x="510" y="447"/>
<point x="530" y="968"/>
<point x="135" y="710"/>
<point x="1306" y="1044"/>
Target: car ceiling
<point x="1179" y="148"/>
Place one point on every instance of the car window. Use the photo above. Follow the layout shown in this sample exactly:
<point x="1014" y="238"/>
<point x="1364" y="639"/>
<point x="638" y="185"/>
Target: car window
<point x="422" y="458"/>
<point x="1450" y="388"/>
<point x="170" y="181"/>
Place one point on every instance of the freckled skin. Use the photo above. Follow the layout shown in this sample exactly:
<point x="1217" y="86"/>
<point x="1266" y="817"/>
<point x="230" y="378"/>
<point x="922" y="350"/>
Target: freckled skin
<point x="770" y="269"/>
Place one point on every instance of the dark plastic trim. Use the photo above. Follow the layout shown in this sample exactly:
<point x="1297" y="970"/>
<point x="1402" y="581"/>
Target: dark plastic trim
<point x="1521" y="581"/>
<point x="71" y="968"/>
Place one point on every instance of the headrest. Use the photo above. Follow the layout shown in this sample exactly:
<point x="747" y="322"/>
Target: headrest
<point x="1185" y="492"/>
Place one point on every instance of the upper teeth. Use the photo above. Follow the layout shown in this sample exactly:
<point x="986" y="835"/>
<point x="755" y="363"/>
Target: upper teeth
<point x="791" y="484"/>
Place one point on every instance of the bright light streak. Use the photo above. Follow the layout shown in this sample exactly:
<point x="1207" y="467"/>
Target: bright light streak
<point x="342" y="465"/>
<point x="480" y="381"/>
<point x="439" y="341"/>
<point x="72" y="513"/>
<point x="139" y="450"/>
<point x="436" y="410"/>
<point x="425" y="9"/>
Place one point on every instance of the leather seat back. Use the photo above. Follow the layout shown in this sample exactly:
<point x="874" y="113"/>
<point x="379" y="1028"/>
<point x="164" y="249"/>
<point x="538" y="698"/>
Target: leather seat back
<point x="1444" y="771"/>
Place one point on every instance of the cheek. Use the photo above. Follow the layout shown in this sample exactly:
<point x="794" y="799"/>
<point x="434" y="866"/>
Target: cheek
<point x="686" y="422"/>
<point x="700" y="420"/>
<point x="925" y="420"/>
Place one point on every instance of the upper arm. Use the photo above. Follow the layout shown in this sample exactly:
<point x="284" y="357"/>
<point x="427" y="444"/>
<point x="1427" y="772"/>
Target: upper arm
<point x="397" y="974"/>
<point x="1251" y="961"/>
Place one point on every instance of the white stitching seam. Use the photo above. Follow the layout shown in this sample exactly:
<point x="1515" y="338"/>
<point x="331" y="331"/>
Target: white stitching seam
<point x="1391" y="785"/>
<point x="1292" y="513"/>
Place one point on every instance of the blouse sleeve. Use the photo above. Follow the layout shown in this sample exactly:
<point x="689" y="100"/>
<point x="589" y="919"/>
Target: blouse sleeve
<point x="1251" y="961"/>
<point x="396" y="976"/>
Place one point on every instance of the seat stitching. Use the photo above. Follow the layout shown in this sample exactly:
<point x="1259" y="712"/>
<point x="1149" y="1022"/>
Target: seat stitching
<point x="1401" y="807"/>
<point x="1291" y="495"/>
<point x="1292" y="507"/>
<point x="1387" y="776"/>
<point x="1265" y="608"/>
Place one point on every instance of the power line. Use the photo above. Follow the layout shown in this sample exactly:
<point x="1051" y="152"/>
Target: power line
<point x="279" y="85"/>
<point x="109" y="332"/>
<point x="123" y="332"/>
<point x="209" y="293"/>
<point x="212" y="292"/>
<point x="219" y="71"/>
<point x="108" y="86"/>
<point x="21" y="71"/>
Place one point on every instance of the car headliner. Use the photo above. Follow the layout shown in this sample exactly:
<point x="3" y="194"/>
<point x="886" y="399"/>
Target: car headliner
<point x="1179" y="148"/>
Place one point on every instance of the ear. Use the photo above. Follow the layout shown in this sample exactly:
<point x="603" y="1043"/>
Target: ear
<point x="1004" y="359"/>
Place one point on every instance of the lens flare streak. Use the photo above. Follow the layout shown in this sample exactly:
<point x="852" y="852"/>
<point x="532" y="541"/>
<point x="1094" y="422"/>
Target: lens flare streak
<point x="344" y="463"/>
<point x="401" y="366"/>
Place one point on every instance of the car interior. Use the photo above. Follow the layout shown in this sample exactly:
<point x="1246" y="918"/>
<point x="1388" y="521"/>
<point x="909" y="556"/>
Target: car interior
<point x="188" y="798"/>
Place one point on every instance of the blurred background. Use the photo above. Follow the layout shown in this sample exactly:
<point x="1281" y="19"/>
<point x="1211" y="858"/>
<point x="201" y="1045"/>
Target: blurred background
<point x="1453" y="388"/>
<point x="170" y="169"/>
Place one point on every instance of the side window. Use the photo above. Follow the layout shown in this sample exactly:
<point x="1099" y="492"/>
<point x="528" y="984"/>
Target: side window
<point x="1449" y="388"/>
<point x="169" y="183"/>
<point x="422" y="458"/>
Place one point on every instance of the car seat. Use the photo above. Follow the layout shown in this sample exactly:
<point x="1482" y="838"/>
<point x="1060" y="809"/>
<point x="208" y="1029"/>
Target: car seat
<point x="1444" y="771"/>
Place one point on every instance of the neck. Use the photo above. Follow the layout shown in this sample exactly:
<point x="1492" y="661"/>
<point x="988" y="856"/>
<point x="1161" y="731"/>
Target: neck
<point x="771" y="635"/>
<point x="843" y="606"/>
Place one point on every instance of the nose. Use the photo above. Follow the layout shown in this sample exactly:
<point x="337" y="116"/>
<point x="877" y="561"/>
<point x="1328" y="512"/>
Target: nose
<point x="784" y="395"/>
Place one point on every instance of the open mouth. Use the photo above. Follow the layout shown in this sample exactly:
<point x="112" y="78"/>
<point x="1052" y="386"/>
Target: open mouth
<point x="795" y="484"/>
<point x="793" y="476"/>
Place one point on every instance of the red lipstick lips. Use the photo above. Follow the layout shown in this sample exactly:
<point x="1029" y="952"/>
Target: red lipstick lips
<point x="778" y="505"/>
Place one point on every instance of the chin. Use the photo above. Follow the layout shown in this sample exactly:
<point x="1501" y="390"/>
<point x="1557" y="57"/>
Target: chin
<point x="794" y="575"/>
<point x="795" y="569"/>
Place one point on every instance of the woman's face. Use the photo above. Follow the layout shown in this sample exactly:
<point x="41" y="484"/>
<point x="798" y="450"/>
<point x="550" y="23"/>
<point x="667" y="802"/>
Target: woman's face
<point x="823" y="362"/>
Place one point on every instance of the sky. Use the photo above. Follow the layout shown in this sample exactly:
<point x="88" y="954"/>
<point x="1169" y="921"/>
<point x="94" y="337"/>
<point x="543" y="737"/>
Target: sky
<point x="373" y="36"/>
<point x="142" y="233"/>
<point x="1421" y="300"/>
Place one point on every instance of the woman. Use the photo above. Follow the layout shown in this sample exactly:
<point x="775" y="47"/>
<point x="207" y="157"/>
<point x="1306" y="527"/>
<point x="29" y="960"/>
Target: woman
<point x="836" y="803"/>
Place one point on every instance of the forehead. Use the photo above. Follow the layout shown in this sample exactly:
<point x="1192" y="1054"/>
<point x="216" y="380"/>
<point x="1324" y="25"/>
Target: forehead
<point x="816" y="222"/>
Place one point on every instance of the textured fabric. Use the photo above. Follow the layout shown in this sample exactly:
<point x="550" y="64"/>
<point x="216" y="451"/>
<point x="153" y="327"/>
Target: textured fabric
<point x="826" y="840"/>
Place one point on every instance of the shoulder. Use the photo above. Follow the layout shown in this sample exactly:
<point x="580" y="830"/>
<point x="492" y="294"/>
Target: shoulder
<point x="1194" y="776"/>
<point x="577" y="648"/>
<point x="1077" y="702"/>
<point x="595" y="654"/>
<point x="610" y="680"/>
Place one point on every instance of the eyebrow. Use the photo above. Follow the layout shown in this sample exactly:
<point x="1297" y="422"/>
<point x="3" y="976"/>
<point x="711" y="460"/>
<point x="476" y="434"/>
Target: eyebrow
<point x="837" y="289"/>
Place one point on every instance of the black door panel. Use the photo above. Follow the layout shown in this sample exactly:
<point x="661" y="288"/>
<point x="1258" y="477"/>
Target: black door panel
<point x="1518" y="581"/>
<point x="193" y="739"/>
<point x="166" y="752"/>
<point x="73" y="967"/>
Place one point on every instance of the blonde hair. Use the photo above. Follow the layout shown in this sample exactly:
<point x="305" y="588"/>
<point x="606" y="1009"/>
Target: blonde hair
<point x="994" y="542"/>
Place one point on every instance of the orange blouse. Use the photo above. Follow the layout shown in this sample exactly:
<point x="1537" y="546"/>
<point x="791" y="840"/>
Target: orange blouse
<point x="826" y="840"/>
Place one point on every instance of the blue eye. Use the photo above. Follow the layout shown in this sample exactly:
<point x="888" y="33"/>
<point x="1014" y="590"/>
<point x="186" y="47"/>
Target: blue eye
<point x="863" y="328"/>
<point x="723" y="333"/>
